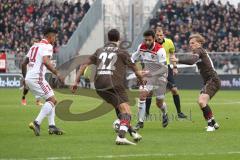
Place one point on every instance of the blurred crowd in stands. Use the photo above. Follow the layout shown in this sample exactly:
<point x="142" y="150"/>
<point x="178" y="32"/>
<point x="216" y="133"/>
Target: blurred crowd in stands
<point x="21" y="23"/>
<point x="219" y="23"/>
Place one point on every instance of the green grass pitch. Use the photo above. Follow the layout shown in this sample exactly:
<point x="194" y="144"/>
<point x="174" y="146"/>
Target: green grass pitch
<point x="95" y="139"/>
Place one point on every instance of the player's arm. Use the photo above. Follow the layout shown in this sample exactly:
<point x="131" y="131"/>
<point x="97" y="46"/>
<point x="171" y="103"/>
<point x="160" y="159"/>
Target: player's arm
<point x="24" y="66"/>
<point x="47" y="62"/>
<point x="24" y="69"/>
<point x="136" y="55"/>
<point x="81" y="72"/>
<point x="172" y="54"/>
<point x="89" y="61"/>
<point x="139" y="74"/>
<point x="188" y="59"/>
<point x="130" y="62"/>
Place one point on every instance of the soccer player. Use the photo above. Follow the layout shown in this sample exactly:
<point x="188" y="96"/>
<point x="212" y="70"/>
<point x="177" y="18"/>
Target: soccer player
<point x="112" y="63"/>
<point x="38" y="60"/>
<point x="211" y="80"/>
<point x="153" y="57"/>
<point x="170" y="49"/>
<point x="24" y="101"/>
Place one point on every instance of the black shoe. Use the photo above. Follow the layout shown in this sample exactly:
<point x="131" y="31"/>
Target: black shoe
<point x="35" y="127"/>
<point x="181" y="115"/>
<point x="215" y="124"/>
<point x="54" y="130"/>
<point x="164" y="120"/>
<point x="139" y="125"/>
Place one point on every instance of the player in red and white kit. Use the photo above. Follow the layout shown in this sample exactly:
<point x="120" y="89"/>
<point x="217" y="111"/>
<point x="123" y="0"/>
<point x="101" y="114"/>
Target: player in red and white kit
<point x="153" y="58"/>
<point x="38" y="61"/>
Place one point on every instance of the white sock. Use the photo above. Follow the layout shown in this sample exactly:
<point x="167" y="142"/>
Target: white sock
<point x="51" y="117"/>
<point x="164" y="108"/>
<point x="45" y="110"/>
<point x="141" y="110"/>
<point x="123" y="128"/>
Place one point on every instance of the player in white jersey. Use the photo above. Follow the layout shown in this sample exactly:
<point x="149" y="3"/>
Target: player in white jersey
<point x="38" y="61"/>
<point x="153" y="57"/>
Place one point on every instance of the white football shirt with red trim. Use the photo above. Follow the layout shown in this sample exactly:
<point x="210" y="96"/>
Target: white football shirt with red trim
<point x="36" y="68"/>
<point x="156" y="54"/>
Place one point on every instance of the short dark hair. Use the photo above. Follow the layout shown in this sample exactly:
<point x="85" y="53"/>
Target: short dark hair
<point x="113" y="35"/>
<point x="48" y="30"/>
<point x="149" y="33"/>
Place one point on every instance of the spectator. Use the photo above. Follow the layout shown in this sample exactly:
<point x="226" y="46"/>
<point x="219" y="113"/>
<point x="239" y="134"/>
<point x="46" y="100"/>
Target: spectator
<point x="22" y="22"/>
<point x="228" y="67"/>
<point x="217" y="22"/>
<point x="86" y="6"/>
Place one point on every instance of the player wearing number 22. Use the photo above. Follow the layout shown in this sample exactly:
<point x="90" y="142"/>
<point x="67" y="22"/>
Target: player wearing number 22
<point x="112" y="63"/>
<point x="38" y="60"/>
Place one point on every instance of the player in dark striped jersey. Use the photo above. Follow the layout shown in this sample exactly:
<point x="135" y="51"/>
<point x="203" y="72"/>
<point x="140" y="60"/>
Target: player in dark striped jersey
<point x="112" y="63"/>
<point x="211" y="80"/>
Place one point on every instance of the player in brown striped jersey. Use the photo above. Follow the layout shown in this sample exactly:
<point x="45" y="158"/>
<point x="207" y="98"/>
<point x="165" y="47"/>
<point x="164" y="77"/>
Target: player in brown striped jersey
<point x="112" y="63"/>
<point x="211" y="80"/>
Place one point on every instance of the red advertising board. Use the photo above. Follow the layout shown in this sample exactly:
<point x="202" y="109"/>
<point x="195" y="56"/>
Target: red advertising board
<point x="3" y="62"/>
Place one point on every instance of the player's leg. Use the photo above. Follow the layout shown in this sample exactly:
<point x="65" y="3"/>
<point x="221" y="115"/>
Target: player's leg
<point x="118" y="99"/>
<point x="36" y="90"/>
<point x="38" y="101"/>
<point x="176" y="100"/>
<point x="141" y="108"/>
<point x="207" y="112"/>
<point x="125" y="126"/>
<point x="160" y="96"/>
<point x="44" y="112"/>
<point x="148" y="104"/>
<point x="125" y="118"/>
<point x="207" y="93"/>
<point x="42" y="89"/>
<point x="173" y="88"/>
<point x="25" y="91"/>
<point x="163" y="107"/>
<point x="50" y="99"/>
<point x="131" y="130"/>
<point x="51" y="118"/>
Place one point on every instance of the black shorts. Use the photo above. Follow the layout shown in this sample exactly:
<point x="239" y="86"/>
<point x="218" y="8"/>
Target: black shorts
<point x="171" y="82"/>
<point x="211" y="86"/>
<point x="114" y="96"/>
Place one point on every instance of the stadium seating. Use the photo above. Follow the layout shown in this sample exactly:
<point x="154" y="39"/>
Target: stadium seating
<point x="218" y="22"/>
<point x="21" y="23"/>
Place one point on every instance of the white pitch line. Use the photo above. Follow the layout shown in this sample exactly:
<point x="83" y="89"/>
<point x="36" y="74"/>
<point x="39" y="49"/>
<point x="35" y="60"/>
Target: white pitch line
<point x="127" y="156"/>
<point x="225" y="103"/>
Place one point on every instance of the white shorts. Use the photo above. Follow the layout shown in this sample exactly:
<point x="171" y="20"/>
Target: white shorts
<point x="40" y="88"/>
<point x="36" y="97"/>
<point x="158" y="85"/>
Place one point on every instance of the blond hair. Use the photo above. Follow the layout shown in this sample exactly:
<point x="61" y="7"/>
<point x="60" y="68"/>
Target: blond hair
<point x="199" y="38"/>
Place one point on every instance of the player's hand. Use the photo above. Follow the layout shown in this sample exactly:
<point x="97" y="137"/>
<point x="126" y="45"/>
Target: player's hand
<point x="175" y="71"/>
<point x="174" y="59"/>
<point x="145" y="73"/>
<point x="74" y="88"/>
<point x="60" y="78"/>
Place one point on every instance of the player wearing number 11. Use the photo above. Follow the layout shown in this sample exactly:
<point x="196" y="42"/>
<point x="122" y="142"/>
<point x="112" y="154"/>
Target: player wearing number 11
<point x="38" y="60"/>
